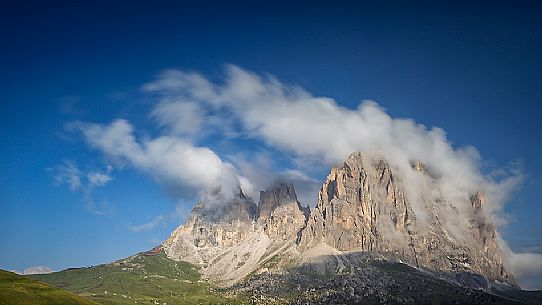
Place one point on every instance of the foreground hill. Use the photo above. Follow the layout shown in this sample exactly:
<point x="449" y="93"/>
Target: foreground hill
<point x="145" y="278"/>
<point x="16" y="289"/>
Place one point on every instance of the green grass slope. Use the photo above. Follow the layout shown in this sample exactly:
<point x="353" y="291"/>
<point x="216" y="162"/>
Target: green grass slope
<point x="145" y="278"/>
<point x="16" y="289"/>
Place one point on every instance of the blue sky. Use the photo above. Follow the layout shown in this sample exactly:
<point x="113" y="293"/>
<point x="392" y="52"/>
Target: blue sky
<point x="471" y="69"/>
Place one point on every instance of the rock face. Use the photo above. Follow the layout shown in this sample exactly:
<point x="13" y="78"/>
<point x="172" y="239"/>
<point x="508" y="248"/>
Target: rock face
<point x="273" y="197"/>
<point x="233" y="240"/>
<point x="281" y="215"/>
<point x="362" y="208"/>
<point x="210" y="229"/>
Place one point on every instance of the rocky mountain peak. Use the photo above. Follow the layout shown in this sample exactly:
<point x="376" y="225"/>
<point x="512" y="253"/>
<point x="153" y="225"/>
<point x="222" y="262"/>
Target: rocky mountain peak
<point x="280" y="193"/>
<point x="362" y="207"/>
<point x="281" y="215"/>
<point x="239" y="208"/>
<point x="358" y="206"/>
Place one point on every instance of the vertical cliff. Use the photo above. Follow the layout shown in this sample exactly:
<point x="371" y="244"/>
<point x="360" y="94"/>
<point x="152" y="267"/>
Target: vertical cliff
<point x="363" y="206"/>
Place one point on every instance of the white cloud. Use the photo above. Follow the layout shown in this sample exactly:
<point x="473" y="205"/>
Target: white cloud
<point x="160" y="220"/>
<point x="258" y="173"/>
<point x="317" y="128"/>
<point x="174" y="82"/>
<point x="168" y="159"/>
<point x="98" y="179"/>
<point x="68" y="173"/>
<point x="156" y="221"/>
<point x="181" y="118"/>
<point x="526" y="267"/>
<point x="85" y="182"/>
<point x="306" y="187"/>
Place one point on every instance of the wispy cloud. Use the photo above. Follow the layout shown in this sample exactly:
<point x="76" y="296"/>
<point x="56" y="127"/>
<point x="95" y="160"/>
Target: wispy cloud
<point x="161" y="220"/>
<point x="84" y="182"/>
<point x="168" y="159"/>
<point x="68" y="173"/>
<point x="98" y="179"/>
<point x="526" y="267"/>
<point x="260" y="171"/>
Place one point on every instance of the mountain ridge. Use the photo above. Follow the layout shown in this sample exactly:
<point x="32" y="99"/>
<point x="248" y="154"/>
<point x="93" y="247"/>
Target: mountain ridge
<point x="363" y="206"/>
<point x="363" y="243"/>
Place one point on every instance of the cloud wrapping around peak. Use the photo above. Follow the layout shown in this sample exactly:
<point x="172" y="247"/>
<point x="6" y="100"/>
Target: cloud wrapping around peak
<point x="292" y="120"/>
<point x="307" y="127"/>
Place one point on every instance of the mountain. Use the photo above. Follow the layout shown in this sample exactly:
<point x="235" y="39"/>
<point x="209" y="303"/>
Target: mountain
<point x="367" y="241"/>
<point x="232" y="241"/>
<point x="363" y="207"/>
<point x="16" y="289"/>
<point x="37" y="270"/>
<point x="364" y="232"/>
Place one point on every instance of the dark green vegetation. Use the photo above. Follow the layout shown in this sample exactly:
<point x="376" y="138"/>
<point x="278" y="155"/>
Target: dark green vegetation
<point x="146" y="278"/>
<point x="16" y="289"/>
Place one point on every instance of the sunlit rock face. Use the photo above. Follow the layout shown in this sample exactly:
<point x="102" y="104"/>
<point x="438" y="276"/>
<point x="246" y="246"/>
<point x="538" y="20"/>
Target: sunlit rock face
<point x="232" y="240"/>
<point x="208" y="229"/>
<point x="279" y="194"/>
<point x="359" y="207"/>
<point x="363" y="207"/>
<point x="280" y="213"/>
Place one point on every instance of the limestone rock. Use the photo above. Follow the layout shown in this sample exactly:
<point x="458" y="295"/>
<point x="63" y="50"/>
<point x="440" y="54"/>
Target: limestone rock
<point x="281" y="213"/>
<point x="278" y="194"/>
<point x="363" y="208"/>
<point x="231" y="241"/>
<point x="208" y="229"/>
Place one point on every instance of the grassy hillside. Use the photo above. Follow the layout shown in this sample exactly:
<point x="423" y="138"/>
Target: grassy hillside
<point x="145" y="278"/>
<point x="16" y="289"/>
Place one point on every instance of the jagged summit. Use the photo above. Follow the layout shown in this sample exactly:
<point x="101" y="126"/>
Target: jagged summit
<point x="278" y="194"/>
<point x="362" y="208"/>
<point x="280" y="213"/>
<point x="239" y="207"/>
